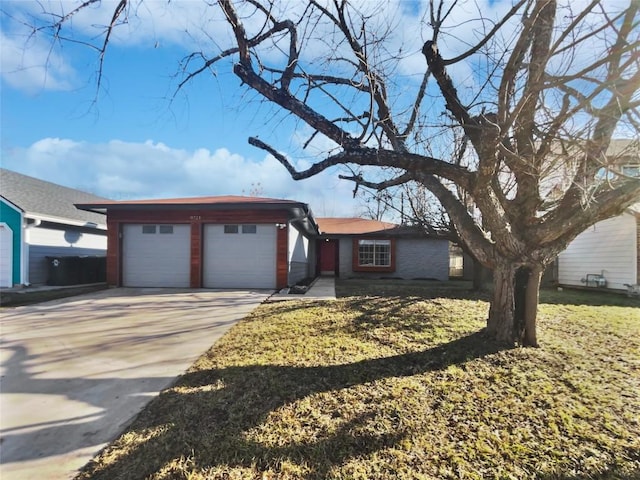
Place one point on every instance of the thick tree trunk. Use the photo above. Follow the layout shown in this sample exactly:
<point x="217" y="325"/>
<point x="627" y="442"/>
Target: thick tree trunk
<point x="514" y="306"/>
<point x="500" y="324"/>
<point x="530" y="338"/>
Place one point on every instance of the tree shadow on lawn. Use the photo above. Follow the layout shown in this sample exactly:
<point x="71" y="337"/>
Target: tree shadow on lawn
<point x="208" y="413"/>
<point x="435" y="319"/>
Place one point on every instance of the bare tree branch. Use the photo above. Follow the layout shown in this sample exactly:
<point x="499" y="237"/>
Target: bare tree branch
<point x="486" y="38"/>
<point x="376" y="158"/>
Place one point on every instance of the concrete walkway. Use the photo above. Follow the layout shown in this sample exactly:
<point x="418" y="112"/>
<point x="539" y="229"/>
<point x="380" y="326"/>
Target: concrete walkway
<point x="76" y="371"/>
<point x="323" y="288"/>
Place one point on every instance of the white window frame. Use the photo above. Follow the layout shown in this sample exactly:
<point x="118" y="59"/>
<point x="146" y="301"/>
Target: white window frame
<point x="375" y="254"/>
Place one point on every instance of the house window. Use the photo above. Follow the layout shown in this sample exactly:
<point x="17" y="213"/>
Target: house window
<point x="249" y="228"/>
<point x="231" y="229"/>
<point x="631" y="170"/>
<point x="149" y="229"/>
<point x="166" y="229"/>
<point x="373" y="255"/>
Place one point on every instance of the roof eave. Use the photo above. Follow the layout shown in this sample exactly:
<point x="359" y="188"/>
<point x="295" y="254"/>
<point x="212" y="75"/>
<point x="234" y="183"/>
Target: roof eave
<point x="300" y="213"/>
<point x="64" y="221"/>
<point x="105" y="207"/>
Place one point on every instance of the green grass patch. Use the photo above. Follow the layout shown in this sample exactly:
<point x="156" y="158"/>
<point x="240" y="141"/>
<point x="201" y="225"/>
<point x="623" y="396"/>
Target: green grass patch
<point x="396" y="380"/>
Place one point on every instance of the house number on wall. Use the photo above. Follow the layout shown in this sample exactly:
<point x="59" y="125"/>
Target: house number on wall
<point x="195" y="217"/>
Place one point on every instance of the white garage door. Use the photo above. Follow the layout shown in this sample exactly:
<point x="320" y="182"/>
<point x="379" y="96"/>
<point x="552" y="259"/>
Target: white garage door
<point x="156" y="255"/>
<point x="6" y="256"/>
<point x="239" y="256"/>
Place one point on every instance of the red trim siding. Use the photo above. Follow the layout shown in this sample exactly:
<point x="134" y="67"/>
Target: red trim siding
<point x="196" y="218"/>
<point x="282" y="264"/>
<point x="196" y="255"/>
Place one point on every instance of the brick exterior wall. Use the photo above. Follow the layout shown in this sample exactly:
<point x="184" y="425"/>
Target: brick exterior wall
<point x="423" y="258"/>
<point x="414" y="258"/>
<point x="196" y="218"/>
<point x="196" y="255"/>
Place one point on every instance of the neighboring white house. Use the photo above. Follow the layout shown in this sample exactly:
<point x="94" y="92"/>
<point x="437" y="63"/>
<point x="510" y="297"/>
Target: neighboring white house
<point x="607" y="254"/>
<point x="52" y="226"/>
<point x="12" y="261"/>
<point x="609" y="249"/>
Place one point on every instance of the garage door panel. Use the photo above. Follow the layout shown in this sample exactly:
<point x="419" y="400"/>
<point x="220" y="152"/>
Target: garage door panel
<point x="156" y="259"/>
<point x="240" y="260"/>
<point x="6" y="256"/>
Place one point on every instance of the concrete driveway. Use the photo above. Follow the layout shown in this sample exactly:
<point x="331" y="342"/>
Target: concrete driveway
<point x="76" y="371"/>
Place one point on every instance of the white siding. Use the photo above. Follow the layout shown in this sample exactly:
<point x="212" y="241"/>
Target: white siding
<point x="43" y="242"/>
<point x="608" y="247"/>
<point x="239" y="260"/>
<point x="67" y="238"/>
<point x="6" y="256"/>
<point x="156" y="259"/>
<point x="298" y="256"/>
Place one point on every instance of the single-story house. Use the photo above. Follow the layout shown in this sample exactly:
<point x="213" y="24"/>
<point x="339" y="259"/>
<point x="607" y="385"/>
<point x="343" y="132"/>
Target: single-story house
<point x="358" y="247"/>
<point x="252" y="242"/>
<point x="208" y="242"/>
<point x="606" y="255"/>
<point x="51" y="225"/>
<point x="11" y="245"/>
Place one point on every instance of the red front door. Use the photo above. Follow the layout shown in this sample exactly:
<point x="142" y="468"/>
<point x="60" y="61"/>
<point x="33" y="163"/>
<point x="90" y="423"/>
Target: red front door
<point x="328" y="257"/>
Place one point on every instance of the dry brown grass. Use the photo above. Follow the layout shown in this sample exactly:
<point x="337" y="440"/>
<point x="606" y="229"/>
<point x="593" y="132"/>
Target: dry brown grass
<point x="398" y="385"/>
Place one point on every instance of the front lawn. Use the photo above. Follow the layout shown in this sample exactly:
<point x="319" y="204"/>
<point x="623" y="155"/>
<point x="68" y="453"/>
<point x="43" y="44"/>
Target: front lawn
<point x="395" y="380"/>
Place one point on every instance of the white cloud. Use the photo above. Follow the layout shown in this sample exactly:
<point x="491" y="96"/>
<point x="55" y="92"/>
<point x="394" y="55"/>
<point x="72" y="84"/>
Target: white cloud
<point x="127" y="170"/>
<point x="200" y="26"/>
<point x="29" y="63"/>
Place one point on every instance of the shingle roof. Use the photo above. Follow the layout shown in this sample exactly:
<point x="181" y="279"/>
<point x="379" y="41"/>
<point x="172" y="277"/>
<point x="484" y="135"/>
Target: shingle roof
<point x="368" y="227"/>
<point x="38" y="197"/>
<point x="351" y="226"/>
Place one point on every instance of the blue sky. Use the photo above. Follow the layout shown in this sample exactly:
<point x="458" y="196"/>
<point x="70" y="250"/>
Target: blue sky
<point x="138" y="140"/>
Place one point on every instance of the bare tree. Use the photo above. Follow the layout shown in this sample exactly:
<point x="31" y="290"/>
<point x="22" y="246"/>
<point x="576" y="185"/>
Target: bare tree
<point x="547" y="87"/>
<point x="378" y="205"/>
<point x="541" y="108"/>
